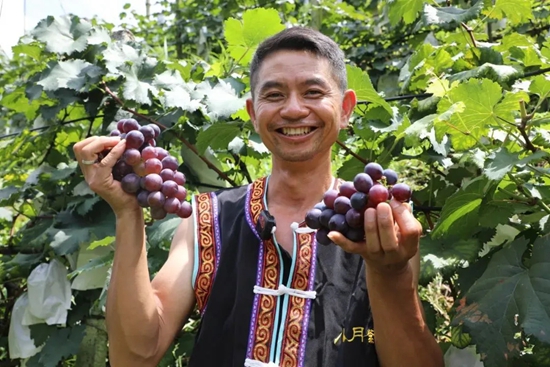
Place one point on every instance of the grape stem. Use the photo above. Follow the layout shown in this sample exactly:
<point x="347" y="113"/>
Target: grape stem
<point x="351" y="152"/>
<point x="182" y="139"/>
<point x="525" y="117"/>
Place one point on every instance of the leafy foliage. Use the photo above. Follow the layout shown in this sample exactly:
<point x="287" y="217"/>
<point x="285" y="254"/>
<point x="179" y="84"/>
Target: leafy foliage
<point x="452" y="96"/>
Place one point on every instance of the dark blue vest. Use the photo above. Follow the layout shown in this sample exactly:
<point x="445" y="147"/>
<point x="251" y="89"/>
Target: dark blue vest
<point x="259" y="303"/>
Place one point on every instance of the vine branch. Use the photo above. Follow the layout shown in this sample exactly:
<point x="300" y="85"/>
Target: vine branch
<point x="351" y="152"/>
<point x="525" y="118"/>
<point x="182" y="139"/>
<point x="470" y="32"/>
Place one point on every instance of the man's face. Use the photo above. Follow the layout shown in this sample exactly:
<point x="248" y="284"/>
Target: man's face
<point x="298" y="109"/>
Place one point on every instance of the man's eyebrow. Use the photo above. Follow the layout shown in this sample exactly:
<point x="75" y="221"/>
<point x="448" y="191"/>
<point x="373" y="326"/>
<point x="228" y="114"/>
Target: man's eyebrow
<point x="308" y="82"/>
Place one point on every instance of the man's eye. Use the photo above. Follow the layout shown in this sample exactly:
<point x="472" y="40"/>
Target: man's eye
<point x="313" y="92"/>
<point x="273" y="95"/>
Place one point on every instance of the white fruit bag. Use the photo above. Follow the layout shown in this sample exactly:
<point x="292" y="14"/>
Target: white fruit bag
<point x="20" y="343"/>
<point x="49" y="294"/>
<point x="467" y="357"/>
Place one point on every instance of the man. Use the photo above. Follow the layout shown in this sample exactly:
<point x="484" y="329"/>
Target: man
<point x="271" y="298"/>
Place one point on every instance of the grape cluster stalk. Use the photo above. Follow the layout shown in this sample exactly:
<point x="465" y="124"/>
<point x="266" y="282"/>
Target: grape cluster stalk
<point x="150" y="172"/>
<point x="343" y="210"/>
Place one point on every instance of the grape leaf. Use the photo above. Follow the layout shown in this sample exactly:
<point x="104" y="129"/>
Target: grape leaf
<point x="466" y="127"/>
<point x="516" y="11"/>
<point x="501" y="161"/>
<point x="404" y="9"/>
<point x="117" y="55"/>
<point x="63" y="35"/>
<point x="162" y="230"/>
<point x="217" y="136"/>
<point x="360" y="82"/>
<point x="503" y="74"/>
<point x="460" y="214"/>
<point x="244" y="37"/>
<point x="523" y="302"/>
<point x="450" y="14"/>
<point x="139" y="82"/>
<point x="221" y="100"/>
<point x="62" y="342"/>
<point x="540" y="85"/>
<point x="72" y="74"/>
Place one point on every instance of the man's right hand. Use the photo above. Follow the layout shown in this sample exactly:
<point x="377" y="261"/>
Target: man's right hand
<point x="99" y="175"/>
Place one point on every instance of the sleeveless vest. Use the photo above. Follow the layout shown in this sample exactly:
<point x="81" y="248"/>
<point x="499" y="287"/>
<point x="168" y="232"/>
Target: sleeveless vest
<point x="261" y="306"/>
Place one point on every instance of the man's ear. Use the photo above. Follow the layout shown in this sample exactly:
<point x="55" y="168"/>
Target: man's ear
<point x="251" y="112"/>
<point x="348" y="105"/>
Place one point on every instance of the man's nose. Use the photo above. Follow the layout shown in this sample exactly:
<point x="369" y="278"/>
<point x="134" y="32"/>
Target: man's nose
<point x="294" y="108"/>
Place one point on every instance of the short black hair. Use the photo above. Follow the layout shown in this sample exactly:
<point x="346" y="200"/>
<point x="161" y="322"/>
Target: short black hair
<point x="301" y="39"/>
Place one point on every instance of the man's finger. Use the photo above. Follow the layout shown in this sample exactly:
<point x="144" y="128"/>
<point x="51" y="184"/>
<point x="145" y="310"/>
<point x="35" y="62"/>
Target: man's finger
<point x="96" y="146"/>
<point x="371" y="233"/>
<point x="386" y="228"/>
<point x="409" y="227"/>
<point x="110" y="160"/>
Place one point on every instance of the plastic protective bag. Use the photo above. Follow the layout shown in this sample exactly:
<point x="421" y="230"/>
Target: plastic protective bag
<point x="467" y="357"/>
<point x="20" y="343"/>
<point x="49" y="294"/>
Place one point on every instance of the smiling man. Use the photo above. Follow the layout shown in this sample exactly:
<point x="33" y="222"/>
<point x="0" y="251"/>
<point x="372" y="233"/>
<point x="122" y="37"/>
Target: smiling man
<point x="268" y="293"/>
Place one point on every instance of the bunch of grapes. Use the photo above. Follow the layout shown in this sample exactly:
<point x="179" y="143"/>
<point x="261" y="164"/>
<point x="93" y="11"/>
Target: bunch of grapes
<point x="150" y="172"/>
<point x="343" y="210"/>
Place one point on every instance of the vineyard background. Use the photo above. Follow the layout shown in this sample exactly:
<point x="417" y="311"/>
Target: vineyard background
<point x="453" y="95"/>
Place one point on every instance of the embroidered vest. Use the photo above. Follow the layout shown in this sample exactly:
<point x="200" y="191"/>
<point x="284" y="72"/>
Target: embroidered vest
<point x="261" y="306"/>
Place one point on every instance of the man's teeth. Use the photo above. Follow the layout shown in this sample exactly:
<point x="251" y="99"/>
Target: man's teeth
<point x="296" y="130"/>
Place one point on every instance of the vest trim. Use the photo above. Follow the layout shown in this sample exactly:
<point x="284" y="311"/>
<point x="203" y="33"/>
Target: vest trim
<point x="207" y="246"/>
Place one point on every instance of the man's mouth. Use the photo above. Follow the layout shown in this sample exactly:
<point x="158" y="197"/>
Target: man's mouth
<point x="295" y="131"/>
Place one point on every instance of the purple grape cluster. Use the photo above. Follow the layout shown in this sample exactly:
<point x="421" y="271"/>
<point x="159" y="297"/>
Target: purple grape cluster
<point x="343" y="210"/>
<point x="150" y="172"/>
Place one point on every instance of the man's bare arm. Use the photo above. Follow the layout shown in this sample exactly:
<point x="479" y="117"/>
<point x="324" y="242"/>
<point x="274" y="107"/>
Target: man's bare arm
<point x="143" y="317"/>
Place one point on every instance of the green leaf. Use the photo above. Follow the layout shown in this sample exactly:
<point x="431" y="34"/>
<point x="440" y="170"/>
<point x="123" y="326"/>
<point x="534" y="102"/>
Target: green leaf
<point x="515" y="11"/>
<point x="63" y="342"/>
<point x="95" y="263"/>
<point x="460" y="213"/>
<point x="221" y="99"/>
<point x="244" y="37"/>
<point x="360" y="82"/>
<point x="540" y="85"/>
<point x="161" y="231"/>
<point x="468" y="126"/>
<point x="523" y="302"/>
<point x="404" y="9"/>
<point x="503" y="74"/>
<point x="72" y="74"/>
<point x="450" y="14"/>
<point x="502" y="161"/>
<point x="33" y="50"/>
<point x="218" y="136"/>
<point x="63" y="35"/>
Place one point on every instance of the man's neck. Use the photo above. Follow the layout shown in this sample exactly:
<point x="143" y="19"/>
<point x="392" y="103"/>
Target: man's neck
<point x="298" y="186"/>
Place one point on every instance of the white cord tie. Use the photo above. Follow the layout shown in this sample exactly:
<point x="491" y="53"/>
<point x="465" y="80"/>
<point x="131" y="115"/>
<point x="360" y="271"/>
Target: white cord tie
<point x="285" y="290"/>
<point x="296" y="228"/>
<point x="253" y="363"/>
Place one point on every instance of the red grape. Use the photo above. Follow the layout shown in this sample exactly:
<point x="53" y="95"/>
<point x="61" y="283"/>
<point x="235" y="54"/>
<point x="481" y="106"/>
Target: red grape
<point x="130" y="125"/>
<point x="152" y="143"/>
<point x="139" y="169"/>
<point x="181" y="195"/>
<point x="354" y="218"/>
<point x="153" y="165"/>
<point x="156" y="198"/>
<point x="358" y="201"/>
<point x="362" y="182"/>
<point x="374" y="170"/>
<point x="179" y="177"/>
<point x="312" y="218"/>
<point x="142" y="198"/>
<point x="130" y="183"/>
<point x="325" y="217"/>
<point x="329" y="198"/>
<point x="134" y="139"/>
<point x="342" y="205"/>
<point x="172" y="205"/>
<point x="347" y="189"/>
<point x="153" y="182"/>
<point x="121" y="169"/>
<point x="132" y="156"/>
<point x="148" y="132"/>
<point x="322" y="237"/>
<point x="378" y="194"/>
<point x="338" y="223"/>
<point x="185" y="210"/>
<point x="161" y="153"/>
<point x="391" y="176"/>
<point x="120" y="126"/>
<point x="167" y="175"/>
<point x="355" y="234"/>
<point x="149" y="153"/>
<point x="401" y="192"/>
<point x="170" y="163"/>
<point x="156" y="129"/>
<point x="158" y="212"/>
<point x="115" y="133"/>
<point x="169" y="188"/>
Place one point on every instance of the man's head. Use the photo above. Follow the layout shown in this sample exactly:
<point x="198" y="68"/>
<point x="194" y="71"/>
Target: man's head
<point x="301" y="39"/>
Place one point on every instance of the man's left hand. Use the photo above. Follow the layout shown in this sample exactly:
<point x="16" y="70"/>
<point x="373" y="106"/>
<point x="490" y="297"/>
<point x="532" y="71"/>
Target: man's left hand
<point x="392" y="237"/>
